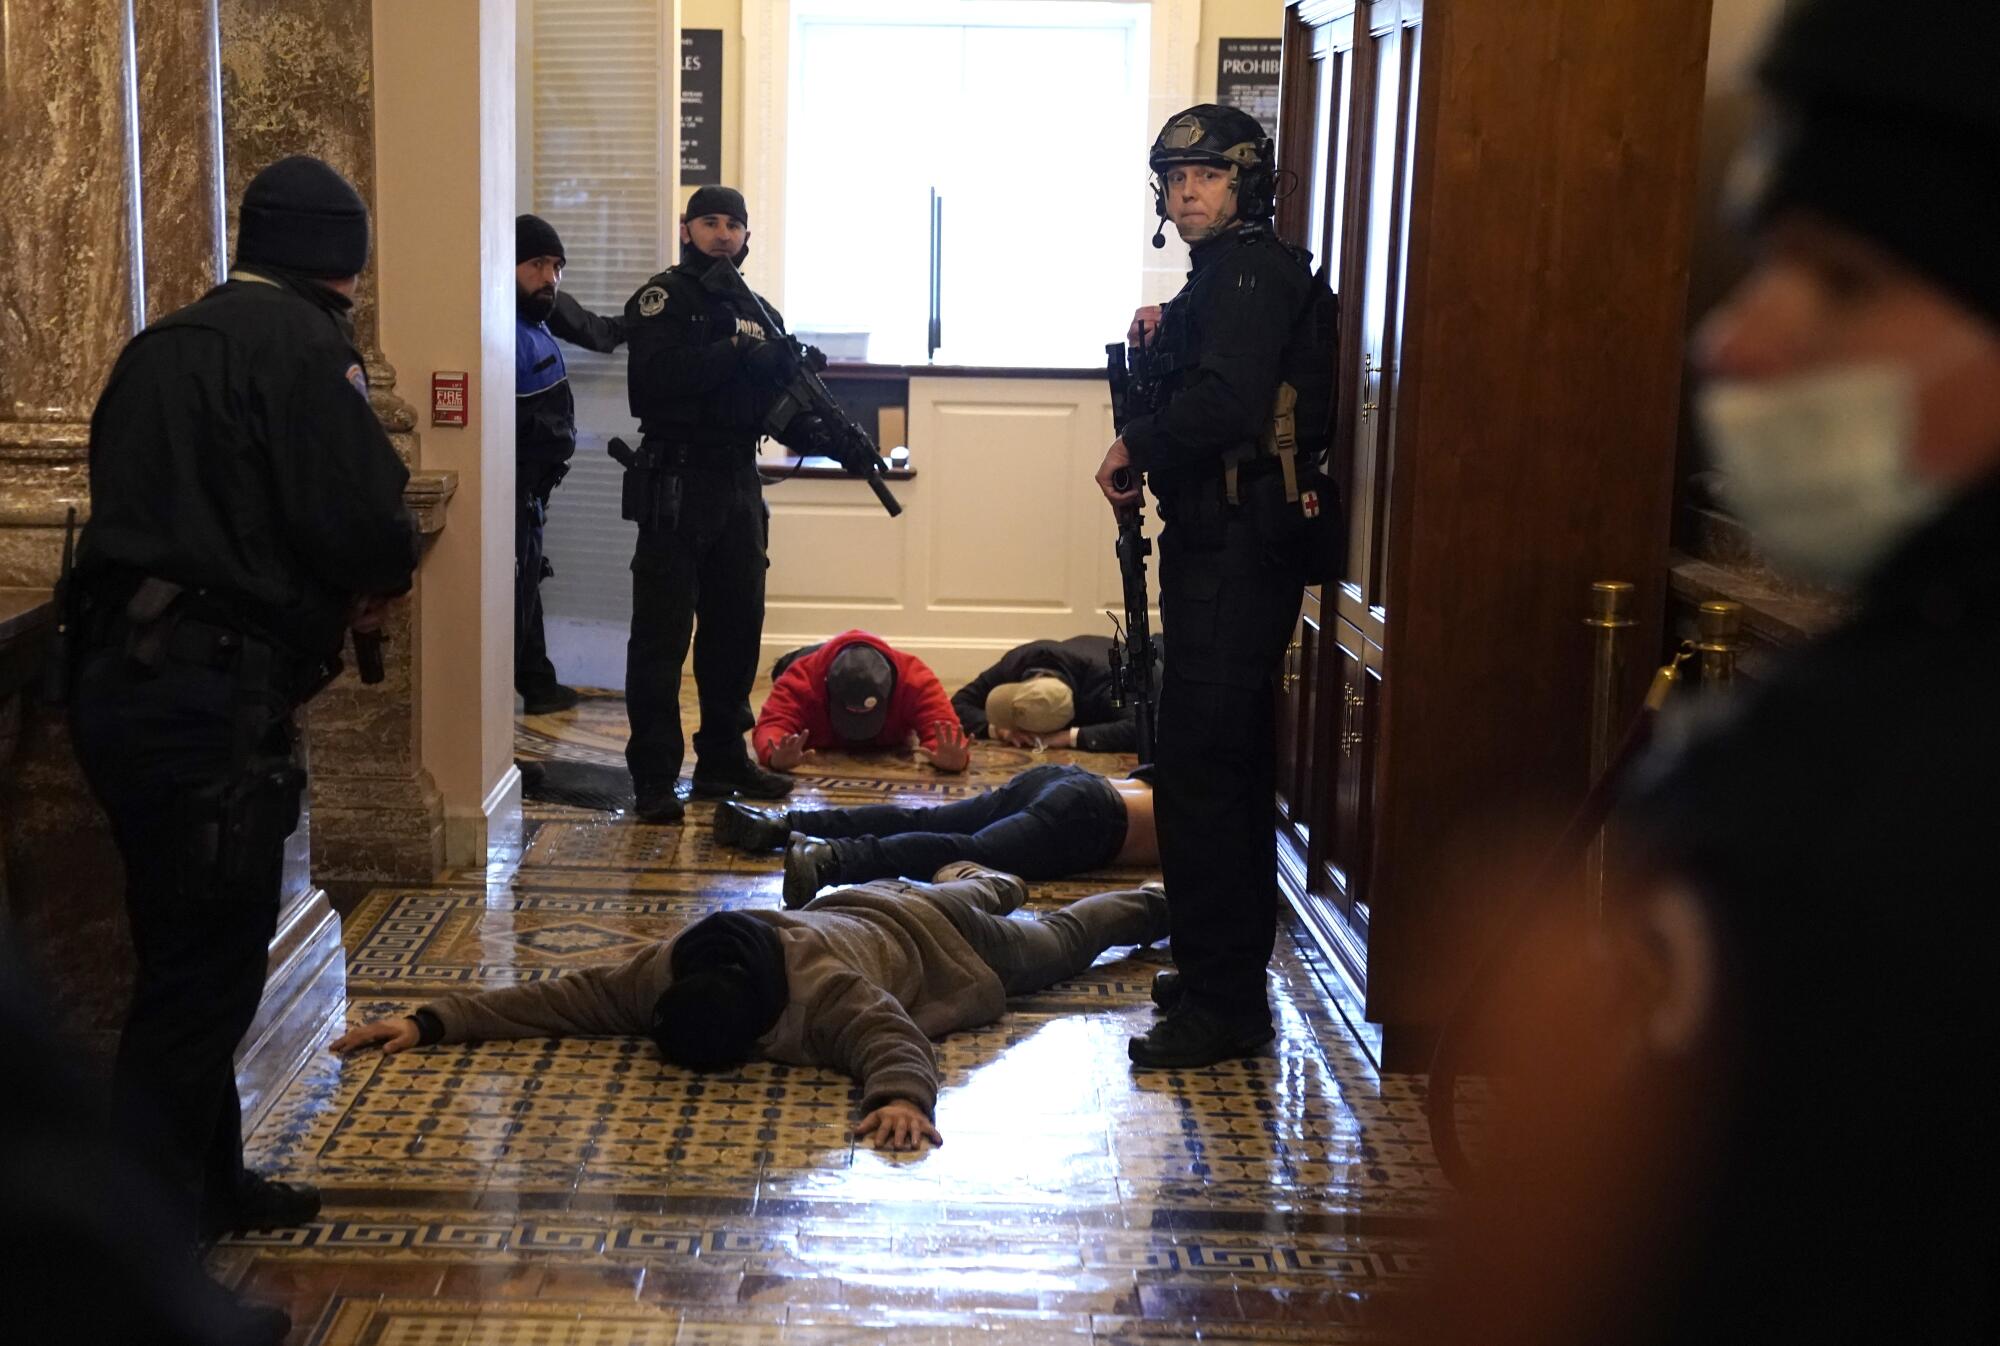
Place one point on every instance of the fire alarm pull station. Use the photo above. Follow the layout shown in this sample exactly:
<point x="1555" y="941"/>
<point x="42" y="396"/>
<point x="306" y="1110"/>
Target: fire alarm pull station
<point x="448" y="400"/>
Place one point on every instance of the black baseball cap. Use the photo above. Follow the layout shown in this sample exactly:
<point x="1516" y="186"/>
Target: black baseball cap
<point x="859" y="682"/>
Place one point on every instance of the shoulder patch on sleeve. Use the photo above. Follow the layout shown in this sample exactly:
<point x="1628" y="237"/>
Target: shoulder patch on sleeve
<point x="358" y="378"/>
<point x="652" y="301"/>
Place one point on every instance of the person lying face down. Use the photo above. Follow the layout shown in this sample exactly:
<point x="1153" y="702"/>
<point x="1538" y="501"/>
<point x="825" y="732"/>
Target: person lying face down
<point x="857" y="691"/>
<point x="1054" y="694"/>
<point x="858" y="981"/>
<point x="1049" y="822"/>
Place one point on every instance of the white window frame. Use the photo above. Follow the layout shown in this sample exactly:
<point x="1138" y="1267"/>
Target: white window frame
<point x="767" y="38"/>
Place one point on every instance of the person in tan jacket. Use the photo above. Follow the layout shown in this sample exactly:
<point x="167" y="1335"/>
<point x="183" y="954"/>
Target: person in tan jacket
<point x="859" y="980"/>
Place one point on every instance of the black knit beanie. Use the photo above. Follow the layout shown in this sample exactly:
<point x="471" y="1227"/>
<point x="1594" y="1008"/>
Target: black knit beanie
<point x="303" y="217"/>
<point x="1892" y="129"/>
<point x="716" y="200"/>
<point x="728" y="989"/>
<point x="536" y="237"/>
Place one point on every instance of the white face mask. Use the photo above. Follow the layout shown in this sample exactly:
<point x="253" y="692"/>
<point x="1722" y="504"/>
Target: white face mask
<point x="1816" y="466"/>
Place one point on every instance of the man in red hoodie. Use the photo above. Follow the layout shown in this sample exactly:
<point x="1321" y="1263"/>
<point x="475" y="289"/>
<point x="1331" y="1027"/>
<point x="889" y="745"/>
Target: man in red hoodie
<point x="856" y="691"/>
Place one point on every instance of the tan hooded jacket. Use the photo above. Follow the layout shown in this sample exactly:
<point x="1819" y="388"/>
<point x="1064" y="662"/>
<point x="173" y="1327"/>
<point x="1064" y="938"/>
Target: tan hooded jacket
<point x="874" y="971"/>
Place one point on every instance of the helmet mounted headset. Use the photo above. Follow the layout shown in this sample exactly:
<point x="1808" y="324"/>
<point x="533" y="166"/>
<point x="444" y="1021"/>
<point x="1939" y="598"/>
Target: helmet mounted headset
<point x="1219" y="137"/>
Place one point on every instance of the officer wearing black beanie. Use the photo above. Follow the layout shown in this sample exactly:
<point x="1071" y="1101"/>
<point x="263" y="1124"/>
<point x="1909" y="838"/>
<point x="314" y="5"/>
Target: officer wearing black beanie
<point x="1835" y="833"/>
<point x="246" y="509"/>
<point x="544" y="438"/>
<point x="702" y="386"/>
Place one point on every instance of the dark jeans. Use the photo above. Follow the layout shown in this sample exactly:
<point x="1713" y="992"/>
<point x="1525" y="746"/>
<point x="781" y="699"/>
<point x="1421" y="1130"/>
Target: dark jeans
<point x="1229" y="608"/>
<point x="1046" y="822"/>
<point x="702" y="578"/>
<point x="533" y="671"/>
<point x="147" y="744"/>
<point x="1030" y="955"/>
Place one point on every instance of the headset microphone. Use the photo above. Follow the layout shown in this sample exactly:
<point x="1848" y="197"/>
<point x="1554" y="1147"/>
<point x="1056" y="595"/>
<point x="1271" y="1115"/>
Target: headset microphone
<point x="1160" y="235"/>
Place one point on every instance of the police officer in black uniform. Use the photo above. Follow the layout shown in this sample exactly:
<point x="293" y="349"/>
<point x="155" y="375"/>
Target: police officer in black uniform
<point x="1235" y="406"/>
<point x="703" y="379"/>
<point x="246" y="509"/>
<point x="544" y="437"/>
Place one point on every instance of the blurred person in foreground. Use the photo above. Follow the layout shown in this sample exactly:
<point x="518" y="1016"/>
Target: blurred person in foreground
<point x="1758" y="1114"/>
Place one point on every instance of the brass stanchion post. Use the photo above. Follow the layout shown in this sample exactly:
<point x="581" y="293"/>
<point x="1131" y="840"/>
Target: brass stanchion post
<point x="1611" y="607"/>
<point x="1719" y="635"/>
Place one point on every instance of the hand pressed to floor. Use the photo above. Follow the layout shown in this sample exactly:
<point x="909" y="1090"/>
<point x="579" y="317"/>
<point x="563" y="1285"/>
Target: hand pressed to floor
<point x="391" y="1035"/>
<point x="898" y="1125"/>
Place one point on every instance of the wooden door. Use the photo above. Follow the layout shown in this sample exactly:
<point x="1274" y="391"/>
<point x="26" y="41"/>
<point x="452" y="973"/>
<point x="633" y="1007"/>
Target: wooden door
<point x="1375" y="264"/>
<point x="1299" y="763"/>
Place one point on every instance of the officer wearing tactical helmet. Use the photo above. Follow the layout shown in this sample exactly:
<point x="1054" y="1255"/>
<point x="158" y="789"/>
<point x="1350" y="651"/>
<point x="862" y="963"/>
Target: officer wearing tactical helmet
<point x="1227" y="423"/>
<point x="702" y="379"/>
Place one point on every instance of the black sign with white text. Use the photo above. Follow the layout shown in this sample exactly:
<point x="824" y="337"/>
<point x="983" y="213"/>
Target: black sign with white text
<point x="1246" y="77"/>
<point x="701" y="106"/>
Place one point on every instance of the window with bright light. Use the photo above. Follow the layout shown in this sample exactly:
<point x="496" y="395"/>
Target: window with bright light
<point x="965" y="173"/>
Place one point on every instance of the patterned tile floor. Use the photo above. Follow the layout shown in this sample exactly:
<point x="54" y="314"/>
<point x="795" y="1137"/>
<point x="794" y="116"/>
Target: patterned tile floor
<point x="579" y="1193"/>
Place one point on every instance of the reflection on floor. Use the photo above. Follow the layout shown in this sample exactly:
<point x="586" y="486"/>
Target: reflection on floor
<point x="579" y="1193"/>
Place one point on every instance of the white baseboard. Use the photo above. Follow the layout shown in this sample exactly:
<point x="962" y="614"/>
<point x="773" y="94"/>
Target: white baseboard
<point x="492" y="835"/>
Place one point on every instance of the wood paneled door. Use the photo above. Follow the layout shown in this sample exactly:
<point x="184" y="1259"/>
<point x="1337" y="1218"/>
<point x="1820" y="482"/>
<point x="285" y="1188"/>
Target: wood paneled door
<point x="1502" y="194"/>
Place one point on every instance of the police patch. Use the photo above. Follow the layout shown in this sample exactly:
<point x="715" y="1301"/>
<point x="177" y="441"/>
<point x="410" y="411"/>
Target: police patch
<point x="652" y="301"/>
<point x="358" y="377"/>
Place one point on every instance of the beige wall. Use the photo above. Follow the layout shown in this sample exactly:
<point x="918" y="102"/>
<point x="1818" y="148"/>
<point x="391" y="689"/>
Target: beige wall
<point x="1231" y="18"/>
<point x="728" y="16"/>
<point x="444" y="73"/>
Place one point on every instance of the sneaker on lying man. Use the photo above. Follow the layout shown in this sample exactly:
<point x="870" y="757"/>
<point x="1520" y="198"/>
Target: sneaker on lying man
<point x="751" y="829"/>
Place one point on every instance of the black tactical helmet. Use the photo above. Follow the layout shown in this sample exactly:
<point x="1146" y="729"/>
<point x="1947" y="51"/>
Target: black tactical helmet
<point x="1225" y="137"/>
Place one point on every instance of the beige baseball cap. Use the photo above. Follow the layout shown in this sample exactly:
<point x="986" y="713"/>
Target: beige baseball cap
<point x="1037" y="706"/>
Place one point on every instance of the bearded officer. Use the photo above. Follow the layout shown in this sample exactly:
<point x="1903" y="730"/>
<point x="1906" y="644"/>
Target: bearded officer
<point x="544" y="438"/>
<point x="703" y="378"/>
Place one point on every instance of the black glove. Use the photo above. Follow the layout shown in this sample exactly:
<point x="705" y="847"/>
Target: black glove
<point x="769" y="362"/>
<point x="809" y="436"/>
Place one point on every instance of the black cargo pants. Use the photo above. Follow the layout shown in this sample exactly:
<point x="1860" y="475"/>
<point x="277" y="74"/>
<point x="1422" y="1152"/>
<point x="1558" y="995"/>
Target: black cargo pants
<point x="701" y="579"/>
<point x="154" y="746"/>
<point x="1228" y="606"/>
<point x="534" y="672"/>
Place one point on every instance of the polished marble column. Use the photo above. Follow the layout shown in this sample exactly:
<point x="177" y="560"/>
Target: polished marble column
<point x="69" y="295"/>
<point x="110" y="125"/>
<point x="297" y="77"/>
<point x="69" y="299"/>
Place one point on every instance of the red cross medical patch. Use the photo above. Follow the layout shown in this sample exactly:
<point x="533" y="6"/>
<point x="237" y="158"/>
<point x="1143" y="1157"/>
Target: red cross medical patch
<point x="1309" y="502"/>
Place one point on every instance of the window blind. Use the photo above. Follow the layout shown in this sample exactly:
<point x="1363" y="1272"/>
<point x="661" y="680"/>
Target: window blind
<point x="598" y="169"/>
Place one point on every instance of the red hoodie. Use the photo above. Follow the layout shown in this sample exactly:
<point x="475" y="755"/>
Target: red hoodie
<point x="798" y="701"/>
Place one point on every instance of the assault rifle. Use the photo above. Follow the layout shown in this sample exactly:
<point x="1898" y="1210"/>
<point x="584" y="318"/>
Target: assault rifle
<point x="801" y="392"/>
<point x="1133" y="392"/>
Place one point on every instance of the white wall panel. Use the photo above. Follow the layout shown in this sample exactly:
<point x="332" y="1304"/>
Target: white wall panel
<point x="1003" y="473"/>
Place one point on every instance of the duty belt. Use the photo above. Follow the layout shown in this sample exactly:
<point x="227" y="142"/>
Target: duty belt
<point x="682" y="455"/>
<point x="204" y="644"/>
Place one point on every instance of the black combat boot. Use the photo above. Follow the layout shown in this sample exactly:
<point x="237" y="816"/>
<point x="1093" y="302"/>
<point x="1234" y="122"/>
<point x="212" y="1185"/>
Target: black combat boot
<point x="1193" y="1035"/>
<point x="741" y="777"/>
<point x="550" y="700"/>
<point x="658" y="805"/>
<point x="259" y="1203"/>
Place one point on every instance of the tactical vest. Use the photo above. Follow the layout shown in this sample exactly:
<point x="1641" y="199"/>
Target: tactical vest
<point x="1300" y="427"/>
<point x="731" y="414"/>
